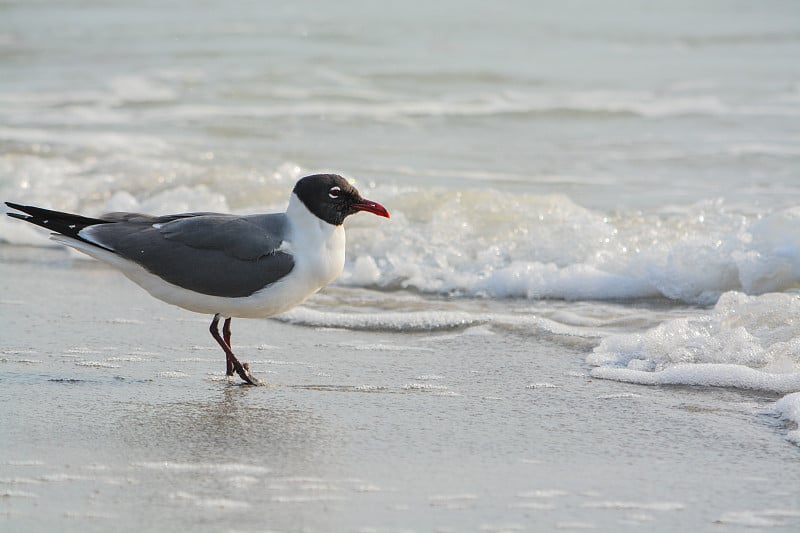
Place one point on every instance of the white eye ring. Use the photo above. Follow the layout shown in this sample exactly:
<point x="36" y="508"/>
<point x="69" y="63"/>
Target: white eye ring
<point x="334" y="192"/>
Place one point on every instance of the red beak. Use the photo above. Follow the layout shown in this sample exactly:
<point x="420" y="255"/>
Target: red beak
<point x="373" y="207"/>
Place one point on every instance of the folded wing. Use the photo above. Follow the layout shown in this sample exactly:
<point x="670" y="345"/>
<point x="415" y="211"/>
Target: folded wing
<point x="214" y="254"/>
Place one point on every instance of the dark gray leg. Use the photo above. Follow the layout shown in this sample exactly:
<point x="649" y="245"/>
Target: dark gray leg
<point x="231" y="362"/>
<point x="226" y="336"/>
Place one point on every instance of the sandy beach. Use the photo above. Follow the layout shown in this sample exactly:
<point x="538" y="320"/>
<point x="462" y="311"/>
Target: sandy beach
<point x="115" y="403"/>
<point x="583" y="314"/>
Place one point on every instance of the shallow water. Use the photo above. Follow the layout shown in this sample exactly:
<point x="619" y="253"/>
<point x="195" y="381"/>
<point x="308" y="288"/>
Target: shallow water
<point x="583" y="312"/>
<point x="441" y="426"/>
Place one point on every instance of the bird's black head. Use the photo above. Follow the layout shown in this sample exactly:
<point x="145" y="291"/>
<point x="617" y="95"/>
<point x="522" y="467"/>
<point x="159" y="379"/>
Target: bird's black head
<point x="331" y="198"/>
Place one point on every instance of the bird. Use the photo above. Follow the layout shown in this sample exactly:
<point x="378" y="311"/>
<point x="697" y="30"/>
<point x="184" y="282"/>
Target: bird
<point x="225" y="265"/>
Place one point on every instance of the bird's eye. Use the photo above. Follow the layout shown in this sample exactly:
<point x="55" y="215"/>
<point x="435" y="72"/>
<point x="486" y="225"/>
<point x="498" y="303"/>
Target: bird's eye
<point x="335" y="192"/>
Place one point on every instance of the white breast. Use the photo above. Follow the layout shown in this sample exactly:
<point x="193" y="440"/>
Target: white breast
<point x="317" y="247"/>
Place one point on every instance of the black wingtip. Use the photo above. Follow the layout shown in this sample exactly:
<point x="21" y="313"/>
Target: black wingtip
<point x="18" y="207"/>
<point x="57" y="221"/>
<point x="19" y="216"/>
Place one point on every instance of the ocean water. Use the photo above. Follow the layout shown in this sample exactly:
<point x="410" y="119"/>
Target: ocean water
<point x="608" y="191"/>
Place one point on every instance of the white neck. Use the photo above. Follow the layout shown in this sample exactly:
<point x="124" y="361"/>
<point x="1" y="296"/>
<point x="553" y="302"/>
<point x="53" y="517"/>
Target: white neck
<point x="318" y="247"/>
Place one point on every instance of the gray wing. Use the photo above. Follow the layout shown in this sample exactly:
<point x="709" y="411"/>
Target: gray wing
<point x="210" y="253"/>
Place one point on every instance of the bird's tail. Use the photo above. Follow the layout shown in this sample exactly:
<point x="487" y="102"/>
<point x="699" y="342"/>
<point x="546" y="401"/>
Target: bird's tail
<point x="63" y="223"/>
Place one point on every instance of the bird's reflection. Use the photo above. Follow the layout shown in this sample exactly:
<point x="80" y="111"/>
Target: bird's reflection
<point x="236" y="427"/>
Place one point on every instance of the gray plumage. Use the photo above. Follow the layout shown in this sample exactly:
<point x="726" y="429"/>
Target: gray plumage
<point x="209" y="253"/>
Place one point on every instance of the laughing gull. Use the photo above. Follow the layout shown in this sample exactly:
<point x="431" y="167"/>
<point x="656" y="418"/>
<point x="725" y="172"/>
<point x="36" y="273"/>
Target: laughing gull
<point x="225" y="265"/>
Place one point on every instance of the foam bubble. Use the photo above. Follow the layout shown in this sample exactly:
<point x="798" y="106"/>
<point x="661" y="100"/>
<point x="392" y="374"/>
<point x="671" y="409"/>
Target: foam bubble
<point x="17" y="494"/>
<point x="223" y="504"/>
<point x="366" y="487"/>
<point x="24" y="462"/>
<point x="435" y="320"/>
<point x="532" y="505"/>
<point x="452" y="500"/>
<point x="172" y="374"/>
<point x="18" y="481"/>
<point x="645" y="506"/>
<point x="425" y="387"/>
<point x="542" y="385"/>
<point x="772" y="263"/>
<point x="765" y="518"/>
<point x="171" y="466"/>
<point x="789" y="408"/>
<point x="745" y="341"/>
<point x="382" y="347"/>
<point x="494" y="244"/>
<point x="543" y="493"/>
<point x="619" y="396"/>
<point x="429" y="377"/>
<point x="140" y="89"/>
<point x="716" y="375"/>
<point x="574" y="524"/>
<point x="419" y="321"/>
<point x="93" y="515"/>
<point x="130" y="359"/>
<point x="305" y="498"/>
<point x="382" y="106"/>
<point x="96" y="364"/>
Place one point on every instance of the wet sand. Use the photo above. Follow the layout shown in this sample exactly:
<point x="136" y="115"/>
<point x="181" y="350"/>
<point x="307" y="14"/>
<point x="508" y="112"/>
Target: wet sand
<point x="116" y="415"/>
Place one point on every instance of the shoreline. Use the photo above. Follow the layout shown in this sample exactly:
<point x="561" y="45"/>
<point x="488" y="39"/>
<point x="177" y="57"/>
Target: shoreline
<point x="114" y="400"/>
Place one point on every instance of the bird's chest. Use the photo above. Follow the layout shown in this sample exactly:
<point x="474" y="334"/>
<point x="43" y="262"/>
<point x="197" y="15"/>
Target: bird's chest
<point x="319" y="253"/>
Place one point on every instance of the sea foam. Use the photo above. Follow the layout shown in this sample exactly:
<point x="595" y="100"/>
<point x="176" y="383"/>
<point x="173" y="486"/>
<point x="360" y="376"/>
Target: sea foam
<point x="789" y="408"/>
<point x="750" y="342"/>
<point x="488" y="243"/>
<point x="435" y="321"/>
<point x="473" y="242"/>
<point x="747" y="342"/>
